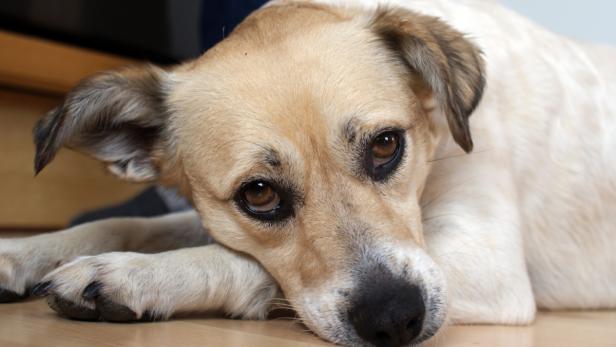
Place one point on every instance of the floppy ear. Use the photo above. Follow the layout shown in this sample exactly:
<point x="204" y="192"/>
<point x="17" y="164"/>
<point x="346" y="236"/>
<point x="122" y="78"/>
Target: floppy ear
<point x="118" y="117"/>
<point x="449" y="65"/>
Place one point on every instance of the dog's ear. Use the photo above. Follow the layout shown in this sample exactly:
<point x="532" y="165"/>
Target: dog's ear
<point x="118" y="117"/>
<point x="450" y="66"/>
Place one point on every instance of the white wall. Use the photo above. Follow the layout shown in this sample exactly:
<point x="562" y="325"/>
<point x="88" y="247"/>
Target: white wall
<point x="589" y="20"/>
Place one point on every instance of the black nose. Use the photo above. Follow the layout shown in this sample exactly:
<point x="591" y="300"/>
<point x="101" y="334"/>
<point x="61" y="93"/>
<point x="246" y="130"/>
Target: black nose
<point x="388" y="314"/>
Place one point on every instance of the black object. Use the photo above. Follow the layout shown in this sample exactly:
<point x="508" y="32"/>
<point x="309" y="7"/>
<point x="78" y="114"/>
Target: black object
<point x="219" y="17"/>
<point x="148" y="203"/>
<point x="163" y="31"/>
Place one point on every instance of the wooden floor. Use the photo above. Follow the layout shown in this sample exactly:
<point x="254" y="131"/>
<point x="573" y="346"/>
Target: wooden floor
<point x="33" y="324"/>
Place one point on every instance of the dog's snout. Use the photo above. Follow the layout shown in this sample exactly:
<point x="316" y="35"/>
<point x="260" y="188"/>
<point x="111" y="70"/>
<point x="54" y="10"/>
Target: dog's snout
<point x="388" y="314"/>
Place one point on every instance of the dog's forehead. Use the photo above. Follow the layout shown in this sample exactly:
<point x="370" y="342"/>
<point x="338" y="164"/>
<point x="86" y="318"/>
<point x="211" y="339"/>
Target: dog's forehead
<point x="279" y="56"/>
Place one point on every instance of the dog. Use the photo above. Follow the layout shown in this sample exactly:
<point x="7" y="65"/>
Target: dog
<point x="326" y="147"/>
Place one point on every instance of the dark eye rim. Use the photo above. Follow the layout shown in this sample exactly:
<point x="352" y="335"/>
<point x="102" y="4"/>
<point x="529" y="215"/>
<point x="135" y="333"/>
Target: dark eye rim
<point x="282" y="211"/>
<point x="382" y="172"/>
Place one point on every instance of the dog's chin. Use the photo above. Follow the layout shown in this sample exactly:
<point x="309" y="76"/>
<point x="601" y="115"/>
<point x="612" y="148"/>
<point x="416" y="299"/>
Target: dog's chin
<point x="325" y="310"/>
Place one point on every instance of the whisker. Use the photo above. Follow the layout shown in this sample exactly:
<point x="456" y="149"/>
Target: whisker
<point x="458" y="155"/>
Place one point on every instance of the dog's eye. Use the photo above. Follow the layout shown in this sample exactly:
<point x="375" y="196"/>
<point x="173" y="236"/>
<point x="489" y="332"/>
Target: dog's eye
<point x="263" y="200"/>
<point x="384" y="154"/>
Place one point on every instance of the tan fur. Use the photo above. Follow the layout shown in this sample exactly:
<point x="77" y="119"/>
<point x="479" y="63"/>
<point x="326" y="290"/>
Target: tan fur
<point x="303" y="114"/>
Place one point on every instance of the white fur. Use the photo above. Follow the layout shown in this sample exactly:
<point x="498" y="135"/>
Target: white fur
<point x="541" y="188"/>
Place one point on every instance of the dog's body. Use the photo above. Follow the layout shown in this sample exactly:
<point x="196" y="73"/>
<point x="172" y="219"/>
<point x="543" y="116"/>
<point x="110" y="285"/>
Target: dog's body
<point x="525" y="221"/>
<point x="544" y="168"/>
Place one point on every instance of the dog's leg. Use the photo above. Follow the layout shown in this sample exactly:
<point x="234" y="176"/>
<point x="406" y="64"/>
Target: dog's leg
<point x="472" y="228"/>
<point x="24" y="261"/>
<point x="126" y="286"/>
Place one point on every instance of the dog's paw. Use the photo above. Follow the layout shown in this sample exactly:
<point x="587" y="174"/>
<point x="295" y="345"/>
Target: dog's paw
<point x="22" y="265"/>
<point x="115" y="287"/>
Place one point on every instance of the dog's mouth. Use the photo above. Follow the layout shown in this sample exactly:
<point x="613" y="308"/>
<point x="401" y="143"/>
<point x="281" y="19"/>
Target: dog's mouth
<point x="381" y="308"/>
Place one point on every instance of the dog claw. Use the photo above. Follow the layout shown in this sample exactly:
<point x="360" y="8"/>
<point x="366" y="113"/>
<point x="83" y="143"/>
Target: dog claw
<point x="7" y="296"/>
<point x="148" y="316"/>
<point x="112" y="312"/>
<point x="71" y="310"/>
<point x="41" y="289"/>
<point x="109" y="310"/>
<point x="92" y="290"/>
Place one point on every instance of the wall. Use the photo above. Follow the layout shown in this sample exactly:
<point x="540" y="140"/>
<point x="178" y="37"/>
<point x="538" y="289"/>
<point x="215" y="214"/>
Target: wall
<point x="589" y="20"/>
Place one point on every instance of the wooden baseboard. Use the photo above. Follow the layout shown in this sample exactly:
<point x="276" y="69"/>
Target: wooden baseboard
<point x="49" y="66"/>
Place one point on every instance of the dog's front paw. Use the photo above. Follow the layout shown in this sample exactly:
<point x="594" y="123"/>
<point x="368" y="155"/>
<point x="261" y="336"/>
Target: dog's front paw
<point x="115" y="287"/>
<point x="22" y="264"/>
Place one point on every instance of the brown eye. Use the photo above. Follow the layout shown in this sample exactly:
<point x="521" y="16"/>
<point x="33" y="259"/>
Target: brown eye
<point x="260" y="196"/>
<point x="384" y="153"/>
<point x="264" y="200"/>
<point x="384" y="147"/>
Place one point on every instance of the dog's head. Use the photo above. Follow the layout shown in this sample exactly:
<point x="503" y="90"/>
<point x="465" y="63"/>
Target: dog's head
<point x="303" y="140"/>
